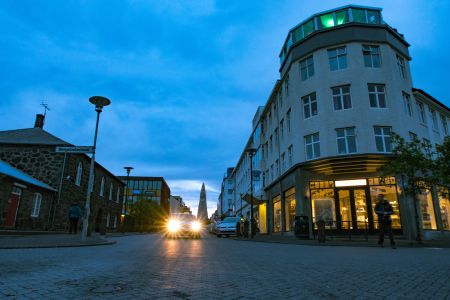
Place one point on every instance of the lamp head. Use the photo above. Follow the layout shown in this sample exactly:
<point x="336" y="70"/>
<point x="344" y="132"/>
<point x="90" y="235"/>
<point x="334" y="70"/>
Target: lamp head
<point x="99" y="102"/>
<point x="128" y="169"/>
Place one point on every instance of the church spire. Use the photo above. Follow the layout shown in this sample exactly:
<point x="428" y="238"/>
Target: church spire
<point x="202" y="213"/>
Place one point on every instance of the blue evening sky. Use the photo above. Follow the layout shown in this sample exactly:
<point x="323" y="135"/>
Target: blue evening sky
<point x="184" y="77"/>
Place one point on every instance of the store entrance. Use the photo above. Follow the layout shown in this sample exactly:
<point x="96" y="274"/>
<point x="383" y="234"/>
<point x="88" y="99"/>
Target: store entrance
<point x="351" y="209"/>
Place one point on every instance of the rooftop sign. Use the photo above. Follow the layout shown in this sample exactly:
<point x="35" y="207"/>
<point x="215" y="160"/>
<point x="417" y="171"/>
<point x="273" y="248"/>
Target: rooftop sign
<point x="79" y="149"/>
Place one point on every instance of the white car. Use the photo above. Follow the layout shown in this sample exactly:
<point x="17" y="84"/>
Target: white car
<point x="183" y="225"/>
<point x="229" y="226"/>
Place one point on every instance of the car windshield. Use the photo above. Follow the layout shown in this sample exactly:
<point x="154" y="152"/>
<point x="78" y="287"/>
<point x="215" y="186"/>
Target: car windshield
<point x="231" y="220"/>
<point x="183" y="217"/>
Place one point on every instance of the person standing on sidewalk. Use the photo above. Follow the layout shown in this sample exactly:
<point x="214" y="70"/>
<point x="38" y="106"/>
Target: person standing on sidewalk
<point x="74" y="216"/>
<point x="384" y="211"/>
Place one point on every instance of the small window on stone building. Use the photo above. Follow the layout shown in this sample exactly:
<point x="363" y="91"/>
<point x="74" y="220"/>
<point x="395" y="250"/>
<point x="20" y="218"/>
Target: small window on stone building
<point x="115" y="222"/>
<point x="79" y="173"/>
<point x="107" y="220"/>
<point x="118" y="194"/>
<point x="110" y="192"/>
<point x="37" y="205"/>
<point x="102" y="187"/>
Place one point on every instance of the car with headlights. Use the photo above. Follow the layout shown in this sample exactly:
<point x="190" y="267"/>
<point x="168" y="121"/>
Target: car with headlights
<point x="183" y="225"/>
<point x="228" y="226"/>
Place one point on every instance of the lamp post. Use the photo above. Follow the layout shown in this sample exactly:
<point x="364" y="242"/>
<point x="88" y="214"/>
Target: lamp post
<point x="128" y="169"/>
<point x="251" y="152"/>
<point x="99" y="103"/>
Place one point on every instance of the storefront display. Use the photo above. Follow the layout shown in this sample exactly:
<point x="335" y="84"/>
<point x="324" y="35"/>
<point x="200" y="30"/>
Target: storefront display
<point x="276" y="214"/>
<point x="262" y="221"/>
<point x="289" y="209"/>
<point x="427" y="210"/>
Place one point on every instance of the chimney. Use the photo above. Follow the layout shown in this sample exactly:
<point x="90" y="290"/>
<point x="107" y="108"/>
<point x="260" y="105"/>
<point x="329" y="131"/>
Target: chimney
<point x="39" y="121"/>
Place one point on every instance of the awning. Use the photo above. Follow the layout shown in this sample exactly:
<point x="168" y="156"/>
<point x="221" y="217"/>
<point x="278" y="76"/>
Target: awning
<point x="256" y="200"/>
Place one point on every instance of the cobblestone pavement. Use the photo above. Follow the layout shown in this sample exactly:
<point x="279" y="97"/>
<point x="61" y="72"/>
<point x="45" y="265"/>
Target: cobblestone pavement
<point x="150" y="267"/>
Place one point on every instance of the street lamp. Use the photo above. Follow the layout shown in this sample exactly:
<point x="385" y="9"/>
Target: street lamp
<point x="99" y="103"/>
<point x="251" y="152"/>
<point x="128" y="169"/>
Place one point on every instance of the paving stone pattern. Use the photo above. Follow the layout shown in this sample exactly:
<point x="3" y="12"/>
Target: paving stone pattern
<point x="151" y="267"/>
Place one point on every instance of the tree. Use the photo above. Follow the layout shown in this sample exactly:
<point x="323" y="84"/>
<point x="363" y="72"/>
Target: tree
<point x="442" y="167"/>
<point x="413" y="162"/>
<point x="145" y="215"/>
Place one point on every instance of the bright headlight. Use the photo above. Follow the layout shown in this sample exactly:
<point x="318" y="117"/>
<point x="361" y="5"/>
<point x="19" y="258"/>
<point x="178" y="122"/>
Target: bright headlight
<point x="173" y="226"/>
<point x="196" y="226"/>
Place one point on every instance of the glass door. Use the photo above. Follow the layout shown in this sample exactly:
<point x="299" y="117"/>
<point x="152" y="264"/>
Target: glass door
<point x="361" y="209"/>
<point x="345" y="209"/>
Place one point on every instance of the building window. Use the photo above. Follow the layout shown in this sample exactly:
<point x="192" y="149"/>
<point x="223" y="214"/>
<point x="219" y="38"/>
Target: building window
<point x="230" y="191"/>
<point x="377" y="95"/>
<point x="110" y="192"/>
<point x="36" y="205"/>
<point x="383" y="138"/>
<point x="102" y="187"/>
<point x="267" y="150"/>
<point x="276" y="214"/>
<point x="270" y="116"/>
<point x="434" y="119"/>
<point x="276" y="137"/>
<point x="444" y="124"/>
<point x="282" y="128"/>
<point x="289" y="209"/>
<point x="371" y="55"/>
<point x="271" y="144"/>
<point x="283" y="162"/>
<point x="341" y="97"/>
<point x="412" y="136"/>
<point x="346" y="140"/>
<point x="401" y="66"/>
<point x="79" y="174"/>
<point x="306" y="68"/>
<point x="407" y="104"/>
<point x="108" y="216"/>
<point x="337" y="58"/>
<point x="280" y="99"/>
<point x="286" y="86"/>
<point x="312" y="146"/>
<point x="421" y="110"/>
<point x="309" y="105"/>
<point x="288" y="120"/>
<point x="290" y="150"/>
<point x="118" y="194"/>
<point x="444" y="205"/>
<point x="427" y="210"/>
<point x="115" y="222"/>
<point x="277" y="164"/>
<point x="271" y="172"/>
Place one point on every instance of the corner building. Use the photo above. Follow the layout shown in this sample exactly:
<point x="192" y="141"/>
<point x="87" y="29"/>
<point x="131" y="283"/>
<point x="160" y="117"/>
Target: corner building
<point x="345" y="85"/>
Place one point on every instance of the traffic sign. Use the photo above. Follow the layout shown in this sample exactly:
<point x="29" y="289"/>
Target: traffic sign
<point x="79" y="149"/>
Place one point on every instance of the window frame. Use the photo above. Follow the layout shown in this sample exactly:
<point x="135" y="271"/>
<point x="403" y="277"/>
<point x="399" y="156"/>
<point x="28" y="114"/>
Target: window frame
<point x="79" y="174"/>
<point x="308" y="102"/>
<point x="336" y="55"/>
<point x="371" y="51"/>
<point x="407" y="105"/>
<point x="36" y="210"/>
<point x="306" y="68"/>
<point x="102" y="187"/>
<point x="401" y="65"/>
<point x="376" y="93"/>
<point x="347" y="139"/>
<point x="312" y="144"/>
<point x="340" y="97"/>
<point x="385" y="139"/>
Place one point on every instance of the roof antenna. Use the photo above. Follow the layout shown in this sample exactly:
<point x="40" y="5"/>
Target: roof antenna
<point x="46" y="108"/>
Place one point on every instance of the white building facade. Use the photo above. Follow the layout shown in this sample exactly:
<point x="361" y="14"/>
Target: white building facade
<point x="345" y="86"/>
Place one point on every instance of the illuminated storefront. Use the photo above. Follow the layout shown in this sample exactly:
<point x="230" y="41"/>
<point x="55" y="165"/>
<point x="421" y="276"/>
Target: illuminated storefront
<point x="276" y="214"/>
<point x="350" y="204"/>
<point x="444" y="207"/>
<point x="289" y="210"/>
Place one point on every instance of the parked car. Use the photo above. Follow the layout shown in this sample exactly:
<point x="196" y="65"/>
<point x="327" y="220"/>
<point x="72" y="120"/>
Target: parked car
<point x="183" y="225"/>
<point x="229" y="226"/>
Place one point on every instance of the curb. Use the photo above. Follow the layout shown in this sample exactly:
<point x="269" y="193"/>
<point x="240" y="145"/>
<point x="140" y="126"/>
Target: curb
<point x="58" y="246"/>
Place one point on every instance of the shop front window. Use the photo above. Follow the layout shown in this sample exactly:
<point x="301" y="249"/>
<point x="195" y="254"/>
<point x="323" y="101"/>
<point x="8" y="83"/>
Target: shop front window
<point x="427" y="210"/>
<point x="390" y="193"/>
<point x="289" y="199"/>
<point x="323" y="205"/>
<point x="276" y="214"/>
<point x="262" y="218"/>
<point x="444" y="206"/>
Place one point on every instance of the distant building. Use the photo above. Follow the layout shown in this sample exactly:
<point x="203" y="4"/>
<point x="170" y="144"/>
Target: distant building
<point x="225" y="203"/>
<point x="33" y="151"/>
<point x="176" y="204"/>
<point x="148" y="188"/>
<point x="202" y="213"/>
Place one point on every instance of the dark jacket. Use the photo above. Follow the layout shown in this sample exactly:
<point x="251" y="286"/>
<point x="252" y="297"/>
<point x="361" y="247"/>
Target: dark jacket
<point x="384" y="211"/>
<point x="74" y="212"/>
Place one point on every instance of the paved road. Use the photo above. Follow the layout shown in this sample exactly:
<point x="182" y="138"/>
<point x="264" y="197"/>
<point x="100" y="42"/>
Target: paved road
<point x="150" y="267"/>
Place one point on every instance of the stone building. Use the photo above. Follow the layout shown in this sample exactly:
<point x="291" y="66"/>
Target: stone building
<point x="25" y="202"/>
<point x="33" y="151"/>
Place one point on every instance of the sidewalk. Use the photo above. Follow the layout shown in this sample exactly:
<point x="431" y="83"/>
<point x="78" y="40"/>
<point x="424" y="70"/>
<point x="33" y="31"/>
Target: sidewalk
<point x="50" y="240"/>
<point x="343" y="241"/>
